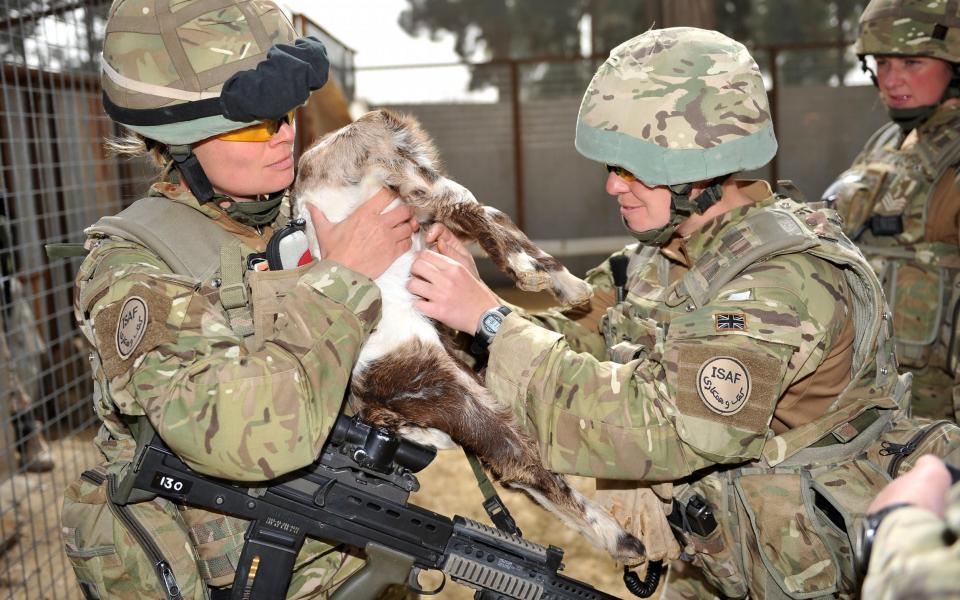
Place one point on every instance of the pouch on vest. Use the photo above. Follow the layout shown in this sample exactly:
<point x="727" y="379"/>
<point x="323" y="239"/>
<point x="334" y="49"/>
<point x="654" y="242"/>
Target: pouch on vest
<point x="909" y="438"/>
<point x="812" y="513"/>
<point x="853" y="196"/>
<point x="915" y="292"/>
<point x="270" y="277"/>
<point x="139" y="550"/>
<point x="781" y="513"/>
<point x="716" y="554"/>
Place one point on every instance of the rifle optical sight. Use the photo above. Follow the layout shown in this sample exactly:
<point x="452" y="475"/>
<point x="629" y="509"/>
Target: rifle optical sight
<point x="378" y="449"/>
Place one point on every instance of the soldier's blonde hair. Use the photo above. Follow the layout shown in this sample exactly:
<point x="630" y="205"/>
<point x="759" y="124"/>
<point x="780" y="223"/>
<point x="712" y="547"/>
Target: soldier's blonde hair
<point x="131" y="144"/>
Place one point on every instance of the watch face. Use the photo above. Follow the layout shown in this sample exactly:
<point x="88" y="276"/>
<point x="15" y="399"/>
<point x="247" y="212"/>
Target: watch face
<point x="491" y="322"/>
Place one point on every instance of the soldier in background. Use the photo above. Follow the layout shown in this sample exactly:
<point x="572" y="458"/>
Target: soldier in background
<point x="241" y="371"/>
<point x="744" y="332"/>
<point x="900" y="201"/>
<point x="21" y="349"/>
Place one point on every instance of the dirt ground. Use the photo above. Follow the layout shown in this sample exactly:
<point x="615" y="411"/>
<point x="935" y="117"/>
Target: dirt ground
<point x="34" y="567"/>
<point x="449" y="487"/>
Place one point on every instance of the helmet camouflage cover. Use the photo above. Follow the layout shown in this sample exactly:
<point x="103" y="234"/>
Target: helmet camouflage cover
<point x="159" y="54"/>
<point x="677" y="105"/>
<point x="911" y="28"/>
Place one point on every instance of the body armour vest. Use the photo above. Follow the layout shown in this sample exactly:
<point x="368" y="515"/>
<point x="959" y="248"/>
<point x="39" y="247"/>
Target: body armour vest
<point x="884" y="200"/>
<point x="786" y="548"/>
<point x="195" y="247"/>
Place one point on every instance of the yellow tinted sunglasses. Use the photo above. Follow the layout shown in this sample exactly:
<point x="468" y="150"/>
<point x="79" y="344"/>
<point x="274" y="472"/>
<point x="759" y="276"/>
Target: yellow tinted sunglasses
<point x="261" y="132"/>
<point x="621" y="173"/>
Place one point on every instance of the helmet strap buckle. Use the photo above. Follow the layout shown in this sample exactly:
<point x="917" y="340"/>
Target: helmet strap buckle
<point x="191" y="172"/>
<point x="710" y="194"/>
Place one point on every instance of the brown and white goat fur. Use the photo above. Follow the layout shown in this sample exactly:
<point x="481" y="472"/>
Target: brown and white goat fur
<point x="405" y="379"/>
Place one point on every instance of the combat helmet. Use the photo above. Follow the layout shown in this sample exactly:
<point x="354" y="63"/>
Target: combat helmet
<point x="912" y="28"/>
<point x="180" y="71"/>
<point x="674" y="107"/>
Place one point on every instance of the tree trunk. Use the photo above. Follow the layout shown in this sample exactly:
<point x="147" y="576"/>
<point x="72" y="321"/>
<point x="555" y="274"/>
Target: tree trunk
<point x="688" y="13"/>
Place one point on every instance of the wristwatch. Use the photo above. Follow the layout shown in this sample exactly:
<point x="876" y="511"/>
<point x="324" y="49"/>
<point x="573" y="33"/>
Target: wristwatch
<point x="868" y="531"/>
<point x="489" y="326"/>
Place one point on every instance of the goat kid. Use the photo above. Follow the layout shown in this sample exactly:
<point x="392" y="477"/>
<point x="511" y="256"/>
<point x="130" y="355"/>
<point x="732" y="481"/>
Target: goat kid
<point x="405" y="379"/>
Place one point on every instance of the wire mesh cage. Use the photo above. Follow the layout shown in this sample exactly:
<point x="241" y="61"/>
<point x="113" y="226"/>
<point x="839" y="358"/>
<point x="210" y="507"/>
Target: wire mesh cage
<point x="55" y="178"/>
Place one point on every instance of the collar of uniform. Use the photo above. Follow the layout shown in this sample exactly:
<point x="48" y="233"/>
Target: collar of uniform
<point x="256" y="241"/>
<point x="710" y="235"/>
<point x="946" y="115"/>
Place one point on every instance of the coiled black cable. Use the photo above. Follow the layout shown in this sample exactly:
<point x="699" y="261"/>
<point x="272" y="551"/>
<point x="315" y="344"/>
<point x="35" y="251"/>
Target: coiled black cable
<point x="646" y="587"/>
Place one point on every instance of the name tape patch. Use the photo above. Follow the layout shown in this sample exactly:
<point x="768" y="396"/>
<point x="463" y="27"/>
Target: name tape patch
<point x="131" y="326"/>
<point x="723" y="384"/>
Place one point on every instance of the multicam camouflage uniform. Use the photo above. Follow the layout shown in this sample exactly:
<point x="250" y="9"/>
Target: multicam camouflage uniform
<point x="916" y="554"/>
<point x="241" y="375"/>
<point x="233" y="407"/>
<point x="899" y="203"/>
<point x="747" y="362"/>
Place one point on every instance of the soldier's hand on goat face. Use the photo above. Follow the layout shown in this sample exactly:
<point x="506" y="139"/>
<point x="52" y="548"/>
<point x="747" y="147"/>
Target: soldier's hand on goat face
<point x="369" y="240"/>
<point x="450" y="293"/>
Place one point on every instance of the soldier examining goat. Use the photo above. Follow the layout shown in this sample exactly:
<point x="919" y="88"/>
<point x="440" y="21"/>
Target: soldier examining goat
<point x="734" y="370"/>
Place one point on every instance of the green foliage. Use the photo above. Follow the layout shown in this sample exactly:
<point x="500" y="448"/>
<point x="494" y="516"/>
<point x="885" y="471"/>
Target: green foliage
<point x="521" y="29"/>
<point x="764" y="23"/>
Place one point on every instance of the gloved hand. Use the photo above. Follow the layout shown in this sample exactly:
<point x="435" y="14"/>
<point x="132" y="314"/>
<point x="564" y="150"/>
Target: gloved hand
<point x="643" y="512"/>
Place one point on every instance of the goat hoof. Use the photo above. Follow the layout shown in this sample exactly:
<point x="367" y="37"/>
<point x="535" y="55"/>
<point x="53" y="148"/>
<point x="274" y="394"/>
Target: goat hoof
<point x="630" y="550"/>
<point x="571" y="290"/>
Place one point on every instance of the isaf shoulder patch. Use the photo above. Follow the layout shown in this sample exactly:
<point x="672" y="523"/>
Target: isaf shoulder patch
<point x="730" y="321"/>
<point x="129" y="328"/>
<point x="723" y="384"/>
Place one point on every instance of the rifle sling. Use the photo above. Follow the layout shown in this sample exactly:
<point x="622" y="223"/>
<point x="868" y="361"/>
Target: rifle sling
<point x="495" y="507"/>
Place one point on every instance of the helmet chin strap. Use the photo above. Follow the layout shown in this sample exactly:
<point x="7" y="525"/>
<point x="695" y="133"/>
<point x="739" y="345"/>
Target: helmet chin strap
<point x="681" y="208"/>
<point x="191" y="173"/>
<point x="254" y="214"/>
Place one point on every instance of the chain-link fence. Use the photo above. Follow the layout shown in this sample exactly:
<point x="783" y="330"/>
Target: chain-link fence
<point x="55" y="179"/>
<point x="503" y="128"/>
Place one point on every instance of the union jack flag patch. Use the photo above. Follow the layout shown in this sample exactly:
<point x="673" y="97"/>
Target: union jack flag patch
<point x="730" y="321"/>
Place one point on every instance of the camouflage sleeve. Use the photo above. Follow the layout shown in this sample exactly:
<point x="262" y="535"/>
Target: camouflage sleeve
<point x="702" y="394"/>
<point x="241" y="415"/>
<point x="916" y="554"/>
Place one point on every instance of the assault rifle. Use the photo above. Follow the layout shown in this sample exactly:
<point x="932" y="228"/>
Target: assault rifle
<point x="356" y="494"/>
